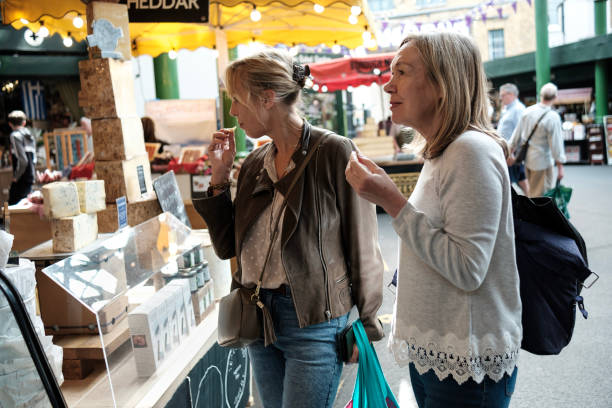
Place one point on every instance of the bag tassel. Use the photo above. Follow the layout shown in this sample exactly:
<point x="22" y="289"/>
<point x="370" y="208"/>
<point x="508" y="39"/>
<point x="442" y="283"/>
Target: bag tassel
<point x="269" y="335"/>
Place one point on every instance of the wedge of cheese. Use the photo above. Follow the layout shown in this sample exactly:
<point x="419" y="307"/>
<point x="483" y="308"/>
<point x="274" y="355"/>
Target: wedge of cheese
<point x="61" y="199"/>
<point x="92" y="197"/>
<point x="73" y="233"/>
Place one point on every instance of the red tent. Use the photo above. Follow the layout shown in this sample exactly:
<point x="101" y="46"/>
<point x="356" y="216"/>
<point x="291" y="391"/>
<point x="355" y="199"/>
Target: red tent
<point x="344" y="72"/>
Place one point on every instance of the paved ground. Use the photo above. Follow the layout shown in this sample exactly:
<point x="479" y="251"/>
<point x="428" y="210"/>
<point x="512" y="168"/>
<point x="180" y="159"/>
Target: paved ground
<point x="577" y="378"/>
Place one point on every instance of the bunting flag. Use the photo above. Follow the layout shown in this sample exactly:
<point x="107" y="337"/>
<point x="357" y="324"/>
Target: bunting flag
<point x="500" y="12"/>
<point x="514" y="6"/>
<point x="33" y="100"/>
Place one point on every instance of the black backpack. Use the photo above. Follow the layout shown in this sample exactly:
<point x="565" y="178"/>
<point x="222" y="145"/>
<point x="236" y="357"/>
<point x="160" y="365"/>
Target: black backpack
<point x="552" y="264"/>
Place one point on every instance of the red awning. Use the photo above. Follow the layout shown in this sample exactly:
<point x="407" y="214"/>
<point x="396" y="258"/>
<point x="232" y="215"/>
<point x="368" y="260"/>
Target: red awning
<point x="344" y="72"/>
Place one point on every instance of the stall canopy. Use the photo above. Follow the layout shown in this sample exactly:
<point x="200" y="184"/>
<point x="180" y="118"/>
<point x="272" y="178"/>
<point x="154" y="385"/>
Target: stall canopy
<point x="344" y="72"/>
<point x="289" y="22"/>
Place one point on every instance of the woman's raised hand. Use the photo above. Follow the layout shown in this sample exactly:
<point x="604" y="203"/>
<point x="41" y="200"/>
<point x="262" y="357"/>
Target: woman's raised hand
<point x="372" y="183"/>
<point x="221" y="154"/>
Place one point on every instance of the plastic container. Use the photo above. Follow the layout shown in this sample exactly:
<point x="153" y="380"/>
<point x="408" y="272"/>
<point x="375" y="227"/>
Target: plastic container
<point x="191" y="274"/>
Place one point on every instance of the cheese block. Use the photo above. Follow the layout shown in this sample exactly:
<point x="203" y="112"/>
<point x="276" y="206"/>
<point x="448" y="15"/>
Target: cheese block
<point x="117" y="14"/>
<point x="92" y="197"/>
<point x="107" y="88"/>
<point x="70" y="234"/>
<point x="61" y="199"/>
<point x="129" y="178"/>
<point x="137" y="213"/>
<point x="117" y="138"/>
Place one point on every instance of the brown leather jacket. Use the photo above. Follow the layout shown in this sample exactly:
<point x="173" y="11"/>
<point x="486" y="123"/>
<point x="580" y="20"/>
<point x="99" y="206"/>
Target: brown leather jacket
<point x="329" y="235"/>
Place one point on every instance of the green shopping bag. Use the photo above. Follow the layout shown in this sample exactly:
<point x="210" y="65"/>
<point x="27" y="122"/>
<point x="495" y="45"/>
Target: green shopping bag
<point x="561" y="194"/>
<point x="371" y="388"/>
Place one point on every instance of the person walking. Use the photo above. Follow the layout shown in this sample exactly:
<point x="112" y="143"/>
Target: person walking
<point x="457" y="316"/>
<point x="546" y="145"/>
<point x="23" y="149"/>
<point x="325" y="257"/>
<point x="511" y="114"/>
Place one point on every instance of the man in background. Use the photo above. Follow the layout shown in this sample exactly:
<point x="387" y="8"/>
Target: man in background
<point x="512" y="110"/>
<point x="546" y="146"/>
<point x="23" y="149"/>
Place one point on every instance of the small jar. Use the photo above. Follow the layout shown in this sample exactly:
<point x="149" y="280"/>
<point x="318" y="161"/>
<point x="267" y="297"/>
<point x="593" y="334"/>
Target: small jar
<point x="199" y="276"/>
<point x="189" y="273"/>
<point x="197" y="258"/>
<point x="205" y="270"/>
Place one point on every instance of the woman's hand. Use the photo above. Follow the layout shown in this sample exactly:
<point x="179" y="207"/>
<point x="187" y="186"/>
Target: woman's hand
<point x="372" y="183"/>
<point x="221" y="154"/>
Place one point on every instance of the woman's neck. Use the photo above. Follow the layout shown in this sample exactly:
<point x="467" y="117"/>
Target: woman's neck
<point x="286" y="134"/>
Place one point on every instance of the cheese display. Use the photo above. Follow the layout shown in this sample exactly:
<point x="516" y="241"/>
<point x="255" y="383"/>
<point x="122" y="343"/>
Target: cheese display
<point x="107" y="88"/>
<point x="117" y="15"/>
<point x="118" y="138"/>
<point x="129" y="178"/>
<point x="92" y="197"/>
<point x="73" y="233"/>
<point x="137" y="213"/>
<point x="61" y="199"/>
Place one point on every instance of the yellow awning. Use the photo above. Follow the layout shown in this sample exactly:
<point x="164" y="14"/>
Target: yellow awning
<point x="283" y="22"/>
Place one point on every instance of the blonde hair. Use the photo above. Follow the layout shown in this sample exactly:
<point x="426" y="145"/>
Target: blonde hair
<point x="269" y="69"/>
<point x="454" y="65"/>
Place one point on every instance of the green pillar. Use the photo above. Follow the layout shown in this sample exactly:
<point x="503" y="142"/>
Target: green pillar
<point x="230" y="121"/>
<point x="166" y="77"/>
<point x="601" y="71"/>
<point x="340" y="115"/>
<point x="542" y="53"/>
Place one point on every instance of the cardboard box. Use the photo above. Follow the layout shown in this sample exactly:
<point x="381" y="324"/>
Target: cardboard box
<point x="61" y="313"/>
<point x="203" y="301"/>
<point x="188" y="320"/>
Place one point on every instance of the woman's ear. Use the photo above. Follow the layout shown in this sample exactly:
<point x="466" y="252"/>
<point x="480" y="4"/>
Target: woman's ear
<point x="268" y="98"/>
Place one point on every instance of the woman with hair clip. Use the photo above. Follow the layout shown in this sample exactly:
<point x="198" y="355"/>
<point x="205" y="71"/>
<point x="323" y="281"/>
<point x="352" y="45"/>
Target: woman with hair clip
<point x="457" y="317"/>
<point x="325" y="257"/>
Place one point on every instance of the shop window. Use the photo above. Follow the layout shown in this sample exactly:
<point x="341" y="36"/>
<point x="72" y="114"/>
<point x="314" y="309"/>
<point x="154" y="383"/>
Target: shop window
<point x="496" y="44"/>
<point x="380" y="5"/>
<point x="429" y="3"/>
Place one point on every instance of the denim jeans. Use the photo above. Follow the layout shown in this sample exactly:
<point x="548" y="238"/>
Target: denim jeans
<point x="302" y="368"/>
<point x="430" y="392"/>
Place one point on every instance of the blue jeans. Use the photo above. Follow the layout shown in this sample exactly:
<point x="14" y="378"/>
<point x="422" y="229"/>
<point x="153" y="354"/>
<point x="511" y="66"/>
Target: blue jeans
<point x="302" y="368"/>
<point x="430" y="392"/>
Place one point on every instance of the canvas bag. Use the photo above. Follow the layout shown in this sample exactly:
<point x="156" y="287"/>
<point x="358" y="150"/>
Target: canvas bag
<point x="371" y="388"/>
<point x="241" y="311"/>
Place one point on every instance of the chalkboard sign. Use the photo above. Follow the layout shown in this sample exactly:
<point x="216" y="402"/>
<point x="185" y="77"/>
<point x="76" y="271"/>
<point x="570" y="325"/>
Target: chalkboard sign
<point x="169" y="196"/>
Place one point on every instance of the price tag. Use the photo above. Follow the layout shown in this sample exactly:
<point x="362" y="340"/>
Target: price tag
<point x="122" y="212"/>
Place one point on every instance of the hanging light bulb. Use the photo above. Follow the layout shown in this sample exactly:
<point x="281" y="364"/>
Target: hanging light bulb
<point x="255" y="15"/>
<point x="172" y="54"/>
<point x="77" y="21"/>
<point x="367" y="36"/>
<point x="315" y="87"/>
<point x="68" y="41"/>
<point x="352" y="19"/>
<point x="43" y="31"/>
<point x="355" y="10"/>
<point x="336" y="49"/>
<point x="24" y="21"/>
<point x="376" y="71"/>
<point x="319" y="8"/>
<point x="294" y="51"/>
<point x="324" y="88"/>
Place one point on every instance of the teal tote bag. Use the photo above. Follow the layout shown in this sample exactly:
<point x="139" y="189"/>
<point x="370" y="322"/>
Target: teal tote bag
<point x="371" y="388"/>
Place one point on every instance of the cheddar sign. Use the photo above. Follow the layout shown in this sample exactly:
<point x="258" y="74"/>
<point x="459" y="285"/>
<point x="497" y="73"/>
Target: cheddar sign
<point x="167" y="11"/>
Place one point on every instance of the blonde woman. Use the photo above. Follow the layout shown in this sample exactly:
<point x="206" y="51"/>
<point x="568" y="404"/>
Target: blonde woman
<point x="457" y="318"/>
<point x="325" y="258"/>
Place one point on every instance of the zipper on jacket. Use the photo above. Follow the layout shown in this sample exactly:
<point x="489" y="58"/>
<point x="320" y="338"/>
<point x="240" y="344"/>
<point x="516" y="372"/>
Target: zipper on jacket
<point x="328" y="312"/>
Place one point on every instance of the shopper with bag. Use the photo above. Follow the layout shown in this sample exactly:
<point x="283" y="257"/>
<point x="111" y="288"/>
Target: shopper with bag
<point x="306" y="245"/>
<point x="457" y="317"/>
<point x="538" y="141"/>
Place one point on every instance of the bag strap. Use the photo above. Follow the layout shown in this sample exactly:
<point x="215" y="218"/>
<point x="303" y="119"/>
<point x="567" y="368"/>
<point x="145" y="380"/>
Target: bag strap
<point x="536" y="126"/>
<point x="298" y="174"/>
